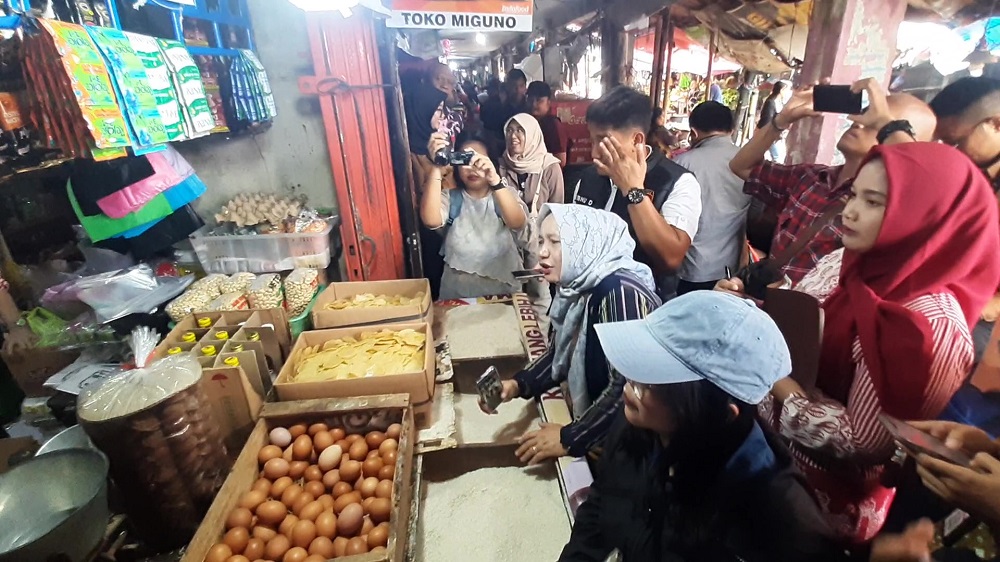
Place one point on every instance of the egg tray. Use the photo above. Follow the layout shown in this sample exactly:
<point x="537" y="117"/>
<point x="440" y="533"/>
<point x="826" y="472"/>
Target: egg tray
<point x="354" y="415"/>
<point x="168" y="460"/>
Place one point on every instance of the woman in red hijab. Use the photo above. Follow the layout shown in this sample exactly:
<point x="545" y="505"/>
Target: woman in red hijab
<point x="921" y="257"/>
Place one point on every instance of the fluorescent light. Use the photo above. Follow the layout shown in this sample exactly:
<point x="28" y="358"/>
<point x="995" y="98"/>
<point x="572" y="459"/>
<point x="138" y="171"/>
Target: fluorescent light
<point x="480" y="39"/>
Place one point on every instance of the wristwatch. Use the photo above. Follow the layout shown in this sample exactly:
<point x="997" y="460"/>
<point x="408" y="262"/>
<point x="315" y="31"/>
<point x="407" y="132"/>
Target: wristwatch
<point x="897" y="126"/>
<point x="499" y="186"/>
<point x="636" y="195"/>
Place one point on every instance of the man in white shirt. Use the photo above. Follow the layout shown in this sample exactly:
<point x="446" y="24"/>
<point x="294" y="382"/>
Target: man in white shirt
<point x="659" y="199"/>
<point x="724" y="206"/>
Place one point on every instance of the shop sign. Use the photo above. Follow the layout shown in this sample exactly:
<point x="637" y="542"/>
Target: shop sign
<point x="467" y="15"/>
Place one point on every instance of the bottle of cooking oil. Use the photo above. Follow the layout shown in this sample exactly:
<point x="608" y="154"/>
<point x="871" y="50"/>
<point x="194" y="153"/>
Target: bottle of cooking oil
<point x="209" y="351"/>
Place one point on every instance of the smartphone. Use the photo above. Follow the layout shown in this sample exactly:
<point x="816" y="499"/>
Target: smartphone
<point x="839" y="99"/>
<point x="526" y="274"/>
<point x="490" y="389"/>
<point x="912" y="439"/>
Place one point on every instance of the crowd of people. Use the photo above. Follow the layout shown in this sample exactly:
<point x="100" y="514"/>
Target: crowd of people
<point x="706" y="444"/>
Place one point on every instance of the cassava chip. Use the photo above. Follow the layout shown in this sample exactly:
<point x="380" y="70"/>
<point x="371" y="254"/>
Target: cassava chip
<point x="371" y="354"/>
<point x="368" y="300"/>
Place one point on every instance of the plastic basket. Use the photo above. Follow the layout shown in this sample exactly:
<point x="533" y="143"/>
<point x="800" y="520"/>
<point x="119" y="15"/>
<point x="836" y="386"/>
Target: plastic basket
<point x="263" y="253"/>
<point x="303" y="322"/>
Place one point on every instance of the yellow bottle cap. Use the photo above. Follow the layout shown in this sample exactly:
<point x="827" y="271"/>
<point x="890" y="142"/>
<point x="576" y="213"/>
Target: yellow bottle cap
<point x="237" y="347"/>
<point x="204" y="322"/>
<point x="189" y="337"/>
<point x="254" y="336"/>
<point x="222" y="335"/>
<point x="174" y="351"/>
<point x="232" y="361"/>
<point x="208" y="350"/>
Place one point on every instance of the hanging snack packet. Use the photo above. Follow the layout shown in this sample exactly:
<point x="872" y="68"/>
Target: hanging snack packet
<point x="158" y="77"/>
<point x="260" y="78"/>
<point x="190" y="91"/>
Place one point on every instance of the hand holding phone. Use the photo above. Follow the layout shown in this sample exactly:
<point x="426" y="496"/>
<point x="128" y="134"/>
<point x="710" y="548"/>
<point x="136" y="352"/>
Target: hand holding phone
<point x="916" y="441"/>
<point x="490" y="390"/>
<point x="839" y="98"/>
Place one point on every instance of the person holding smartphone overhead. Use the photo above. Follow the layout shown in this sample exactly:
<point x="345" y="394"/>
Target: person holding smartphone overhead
<point x="481" y="220"/>
<point x="896" y="338"/>
<point x="587" y="254"/>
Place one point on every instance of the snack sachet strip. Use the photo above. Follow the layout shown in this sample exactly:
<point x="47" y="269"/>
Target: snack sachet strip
<point x="169" y="109"/>
<point x="190" y="90"/>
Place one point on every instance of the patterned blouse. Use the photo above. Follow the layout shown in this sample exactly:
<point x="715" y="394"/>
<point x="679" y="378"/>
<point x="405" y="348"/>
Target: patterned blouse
<point x="817" y="423"/>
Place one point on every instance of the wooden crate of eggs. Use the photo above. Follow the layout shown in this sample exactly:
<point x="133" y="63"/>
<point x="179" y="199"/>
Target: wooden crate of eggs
<point x="317" y="480"/>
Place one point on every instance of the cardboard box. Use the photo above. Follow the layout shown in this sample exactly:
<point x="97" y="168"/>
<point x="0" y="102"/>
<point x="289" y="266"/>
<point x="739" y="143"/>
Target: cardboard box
<point x="323" y="318"/>
<point x="235" y="403"/>
<point x="418" y="385"/>
<point x="31" y="369"/>
<point x="361" y="415"/>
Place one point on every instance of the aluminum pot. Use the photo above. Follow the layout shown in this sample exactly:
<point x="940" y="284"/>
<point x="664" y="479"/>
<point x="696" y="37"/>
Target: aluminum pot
<point x="69" y="438"/>
<point x="54" y="506"/>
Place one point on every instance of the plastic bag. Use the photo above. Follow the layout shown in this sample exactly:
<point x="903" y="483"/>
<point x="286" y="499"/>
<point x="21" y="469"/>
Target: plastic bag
<point x="237" y="283"/>
<point x="118" y="294"/>
<point x="300" y="288"/>
<point x="266" y="292"/>
<point x="135" y="390"/>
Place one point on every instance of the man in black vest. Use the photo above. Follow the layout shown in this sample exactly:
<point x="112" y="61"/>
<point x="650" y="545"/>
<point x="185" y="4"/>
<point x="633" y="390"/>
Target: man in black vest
<point x="659" y="199"/>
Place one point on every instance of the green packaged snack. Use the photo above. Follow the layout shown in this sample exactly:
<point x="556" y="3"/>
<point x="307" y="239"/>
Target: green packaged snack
<point x="186" y="77"/>
<point x="158" y="76"/>
<point x="256" y="70"/>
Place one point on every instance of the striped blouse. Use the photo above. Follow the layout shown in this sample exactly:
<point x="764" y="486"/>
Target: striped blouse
<point x="619" y="298"/>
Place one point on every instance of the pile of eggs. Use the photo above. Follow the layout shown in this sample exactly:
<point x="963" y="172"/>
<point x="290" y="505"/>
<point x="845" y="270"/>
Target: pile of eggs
<point x="321" y="494"/>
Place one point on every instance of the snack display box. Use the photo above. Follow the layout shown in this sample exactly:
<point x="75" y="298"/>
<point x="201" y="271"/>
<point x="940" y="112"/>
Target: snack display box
<point x="418" y="385"/>
<point x="262" y="253"/>
<point x="354" y="415"/>
<point x="361" y="316"/>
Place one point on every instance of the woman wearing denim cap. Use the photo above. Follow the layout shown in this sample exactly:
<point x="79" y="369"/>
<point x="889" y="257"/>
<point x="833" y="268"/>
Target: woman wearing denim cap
<point x="587" y="253"/>
<point x="687" y="472"/>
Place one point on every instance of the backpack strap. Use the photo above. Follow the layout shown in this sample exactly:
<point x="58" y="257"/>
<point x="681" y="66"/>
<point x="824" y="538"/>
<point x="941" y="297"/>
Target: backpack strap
<point x="454" y="205"/>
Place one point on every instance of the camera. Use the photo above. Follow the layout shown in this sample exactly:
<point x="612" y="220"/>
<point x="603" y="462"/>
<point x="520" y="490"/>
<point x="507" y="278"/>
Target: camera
<point x="463" y="158"/>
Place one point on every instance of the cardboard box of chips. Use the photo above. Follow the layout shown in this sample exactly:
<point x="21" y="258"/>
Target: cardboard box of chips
<point x="361" y="361"/>
<point x="367" y="303"/>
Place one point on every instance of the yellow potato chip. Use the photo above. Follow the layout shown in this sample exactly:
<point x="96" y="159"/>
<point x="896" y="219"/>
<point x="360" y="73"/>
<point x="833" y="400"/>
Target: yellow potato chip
<point x="368" y="300"/>
<point x="381" y="353"/>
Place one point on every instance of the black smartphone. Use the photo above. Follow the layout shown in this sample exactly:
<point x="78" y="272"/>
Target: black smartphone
<point x="526" y="274"/>
<point x="839" y="99"/>
<point x="916" y="441"/>
<point x="490" y="389"/>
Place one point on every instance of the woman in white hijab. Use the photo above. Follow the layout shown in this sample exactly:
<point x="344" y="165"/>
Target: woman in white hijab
<point x="587" y="253"/>
<point x="537" y="177"/>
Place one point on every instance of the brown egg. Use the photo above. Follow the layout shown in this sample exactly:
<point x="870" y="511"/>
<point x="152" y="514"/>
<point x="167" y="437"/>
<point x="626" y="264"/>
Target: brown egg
<point x="219" y="553"/>
<point x="277" y="547"/>
<point x="252" y="499"/>
<point x="394" y="431"/>
<point x="322" y="440"/>
<point x="303" y="533"/>
<point x="357" y="545"/>
<point x="311" y="511"/>
<point x="276" y="468"/>
<point x="262" y="484"/>
<point x="353" y="437"/>
<point x="326" y="525"/>
<point x="337" y="434"/>
<point x="238" y="558"/>
<point x="366" y="527"/>
<point x="296" y="469"/>
<point x="268" y="452"/>
<point x="367" y="504"/>
<point x="390" y="457"/>
<point x="374" y="439"/>
<point x="346" y="457"/>
<point x="280" y="485"/>
<point x="371" y="466"/>
<point x="236" y="539"/>
<point x="350" y="471"/>
<point x="358" y="450"/>
<point x="287" y="454"/>
<point x="341" y="488"/>
<point x="304" y="499"/>
<point x="349" y="520"/>
<point x="316" y="557"/>
<point x="298" y="429"/>
<point x="264" y="533"/>
<point x="316" y="428"/>
<point x="331" y="478"/>
<point x="326" y="500"/>
<point x="380" y="510"/>
<point x="344" y="444"/>
<point x="313" y="473"/>
<point x="271" y="513"/>
<point x="372" y="454"/>
<point x="239" y="517"/>
<point x="302" y="447"/>
<point x="254" y="549"/>
<point x="345" y="500"/>
<point x="387" y="472"/>
<point x="379" y="536"/>
<point x="323" y="546"/>
<point x="368" y="486"/>
<point x="340" y="546"/>
<point x="386" y="446"/>
<point x="384" y="489"/>
<point x="286" y="525"/>
<point x="317" y="489"/>
<point x="296" y="554"/>
<point x="290" y="494"/>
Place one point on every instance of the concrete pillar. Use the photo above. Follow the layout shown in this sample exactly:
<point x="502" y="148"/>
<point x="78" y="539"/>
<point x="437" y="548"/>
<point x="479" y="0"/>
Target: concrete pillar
<point x="552" y="61"/>
<point x="848" y="40"/>
<point x="613" y="46"/>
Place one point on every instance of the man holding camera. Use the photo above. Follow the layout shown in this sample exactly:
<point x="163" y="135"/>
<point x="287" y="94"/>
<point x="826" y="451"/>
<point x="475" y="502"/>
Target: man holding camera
<point x="803" y="194"/>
